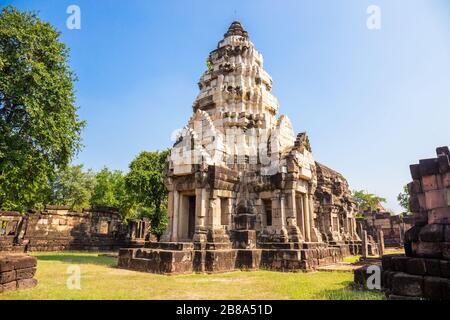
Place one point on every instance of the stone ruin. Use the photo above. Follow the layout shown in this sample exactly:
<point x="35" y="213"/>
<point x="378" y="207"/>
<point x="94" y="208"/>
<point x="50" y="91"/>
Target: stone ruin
<point x="17" y="272"/>
<point x="57" y="228"/>
<point x="335" y="210"/>
<point x="424" y="270"/>
<point x="393" y="227"/>
<point x="244" y="191"/>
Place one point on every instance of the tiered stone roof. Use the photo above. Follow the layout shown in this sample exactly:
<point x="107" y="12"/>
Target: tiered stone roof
<point x="236" y="29"/>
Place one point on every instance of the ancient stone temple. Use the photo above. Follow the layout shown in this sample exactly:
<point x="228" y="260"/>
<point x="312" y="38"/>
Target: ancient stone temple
<point x="242" y="186"/>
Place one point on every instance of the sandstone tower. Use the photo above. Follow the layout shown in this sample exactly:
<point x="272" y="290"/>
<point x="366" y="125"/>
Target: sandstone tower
<point x="235" y="152"/>
<point x="241" y="184"/>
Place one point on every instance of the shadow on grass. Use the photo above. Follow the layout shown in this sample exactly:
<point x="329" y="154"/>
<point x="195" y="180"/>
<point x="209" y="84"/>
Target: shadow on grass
<point x="349" y="293"/>
<point x="78" y="258"/>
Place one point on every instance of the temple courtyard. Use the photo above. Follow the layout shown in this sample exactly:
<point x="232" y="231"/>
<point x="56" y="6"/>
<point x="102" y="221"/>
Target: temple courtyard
<point x="101" y="279"/>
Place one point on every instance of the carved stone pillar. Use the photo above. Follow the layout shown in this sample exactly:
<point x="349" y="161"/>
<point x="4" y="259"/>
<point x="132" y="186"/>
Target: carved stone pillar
<point x="201" y="209"/>
<point x="166" y="236"/>
<point x="365" y="245"/>
<point x="291" y="217"/>
<point x="307" y="218"/>
<point x="175" y="215"/>
<point x="315" y="236"/>
<point x="279" y="217"/>
<point x="380" y="242"/>
<point x="300" y="208"/>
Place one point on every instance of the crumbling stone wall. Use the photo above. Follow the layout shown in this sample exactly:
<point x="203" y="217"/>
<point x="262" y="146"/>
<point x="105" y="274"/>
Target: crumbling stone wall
<point x="10" y="228"/>
<point x="56" y="229"/>
<point x="393" y="227"/>
<point x="17" y="272"/>
<point x="424" y="271"/>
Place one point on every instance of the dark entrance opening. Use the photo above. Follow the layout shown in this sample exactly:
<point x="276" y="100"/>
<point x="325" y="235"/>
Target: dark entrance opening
<point x="268" y="210"/>
<point x="191" y="218"/>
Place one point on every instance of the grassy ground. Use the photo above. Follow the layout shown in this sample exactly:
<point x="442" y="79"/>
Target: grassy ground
<point x="351" y="259"/>
<point x="101" y="280"/>
<point x="394" y="251"/>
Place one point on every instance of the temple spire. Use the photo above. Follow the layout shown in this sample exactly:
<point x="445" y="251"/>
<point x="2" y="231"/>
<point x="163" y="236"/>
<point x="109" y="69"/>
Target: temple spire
<point x="236" y="29"/>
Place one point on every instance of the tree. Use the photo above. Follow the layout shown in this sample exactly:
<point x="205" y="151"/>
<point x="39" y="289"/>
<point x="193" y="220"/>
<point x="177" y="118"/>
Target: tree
<point x="109" y="189"/>
<point x="145" y="183"/>
<point x="403" y="200"/>
<point x="39" y="126"/>
<point x="73" y="187"/>
<point x="367" y="201"/>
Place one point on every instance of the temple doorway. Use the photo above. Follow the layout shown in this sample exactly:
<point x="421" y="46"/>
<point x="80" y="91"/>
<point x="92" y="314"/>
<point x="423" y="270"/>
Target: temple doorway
<point x="186" y="216"/>
<point x="191" y="224"/>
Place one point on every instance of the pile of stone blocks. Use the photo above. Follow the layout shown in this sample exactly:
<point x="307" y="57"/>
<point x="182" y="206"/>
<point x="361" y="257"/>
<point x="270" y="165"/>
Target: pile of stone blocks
<point x="17" y="272"/>
<point x="161" y="258"/>
<point x="424" y="271"/>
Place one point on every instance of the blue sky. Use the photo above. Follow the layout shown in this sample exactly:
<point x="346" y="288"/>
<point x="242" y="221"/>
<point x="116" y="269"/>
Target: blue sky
<point x="372" y="102"/>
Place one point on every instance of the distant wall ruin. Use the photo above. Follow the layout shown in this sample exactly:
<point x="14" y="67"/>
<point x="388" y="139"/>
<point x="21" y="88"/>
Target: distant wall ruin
<point x="393" y="227"/>
<point x="57" y="228"/>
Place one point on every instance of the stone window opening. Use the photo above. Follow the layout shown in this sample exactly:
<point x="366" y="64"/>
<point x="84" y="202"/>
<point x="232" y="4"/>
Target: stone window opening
<point x="3" y="226"/>
<point x="11" y="228"/>
<point x="192" y="143"/>
<point x="103" y="227"/>
<point x="335" y="224"/>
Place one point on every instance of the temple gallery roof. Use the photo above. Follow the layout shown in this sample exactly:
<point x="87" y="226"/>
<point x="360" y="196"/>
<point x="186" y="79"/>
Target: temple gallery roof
<point x="236" y="29"/>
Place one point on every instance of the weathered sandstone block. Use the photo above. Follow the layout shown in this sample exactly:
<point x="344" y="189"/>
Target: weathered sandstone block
<point x="17" y="272"/>
<point x="427" y="247"/>
<point x="404" y="284"/>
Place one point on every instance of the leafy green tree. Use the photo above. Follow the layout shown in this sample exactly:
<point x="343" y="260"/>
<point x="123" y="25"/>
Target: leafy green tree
<point x="73" y="187"/>
<point x="367" y="201"/>
<point x="403" y="200"/>
<point x="109" y="189"/>
<point x="145" y="183"/>
<point x="39" y="125"/>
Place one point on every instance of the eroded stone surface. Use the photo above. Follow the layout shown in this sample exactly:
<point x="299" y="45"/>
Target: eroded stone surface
<point x="17" y="272"/>
<point x="424" y="271"/>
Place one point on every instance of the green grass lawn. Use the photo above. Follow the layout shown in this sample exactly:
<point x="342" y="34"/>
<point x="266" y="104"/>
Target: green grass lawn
<point x="100" y="279"/>
<point x="351" y="259"/>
